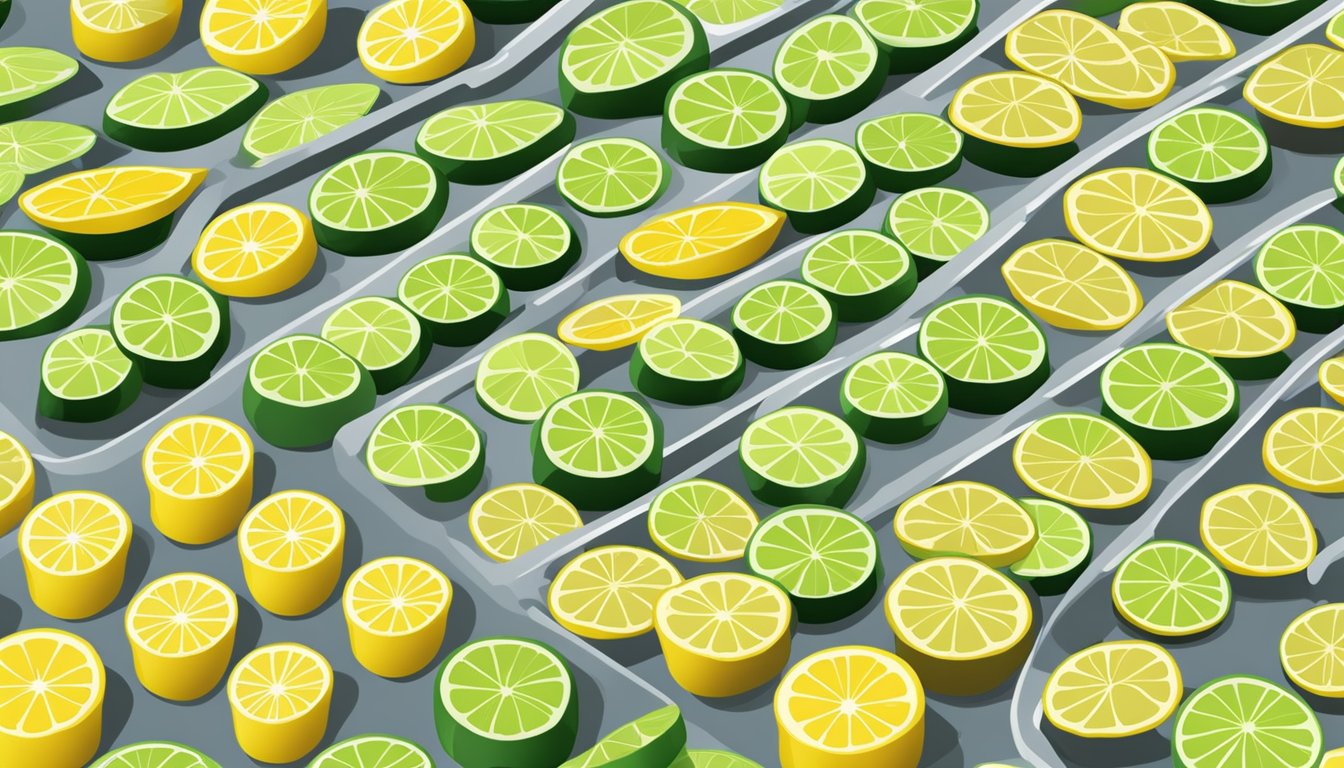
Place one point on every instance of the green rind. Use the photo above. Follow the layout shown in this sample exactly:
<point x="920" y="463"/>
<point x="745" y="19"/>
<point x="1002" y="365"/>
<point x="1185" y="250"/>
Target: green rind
<point x="693" y="153"/>
<point x="659" y="386"/>
<point x="827" y="219"/>
<point x="1177" y="444"/>
<point x="66" y="313"/>
<point x="829" y="608"/>
<point x="104" y="406"/>
<point x="503" y="167"/>
<point x="894" y="429"/>
<point x="397" y="237"/>
<point x="787" y="355"/>
<point x="992" y="397"/>
<point x="1258" y="20"/>
<point x="184" y="373"/>
<point x="661" y="751"/>
<point x="537" y="276"/>
<point x="185" y="137"/>
<point x="1053" y="581"/>
<point x="598" y="493"/>
<point x="1224" y="190"/>
<point x="285" y="425"/>
<point x="1020" y="162"/>
<point x="120" y="245"/>
<point x="465" y="332"/>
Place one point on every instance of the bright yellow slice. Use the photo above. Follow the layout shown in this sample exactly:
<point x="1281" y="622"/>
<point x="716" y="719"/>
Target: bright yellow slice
<point x="1232" y="319"/>
<point x="1070" y="286"/>
<point x="262" y="37"/>
<point x="703" y="241"/>
<point x="105" y="201"/>
<point x="291" y="544"/>
<point x="255" y="250"/>
<point x="1082" y="460"/>
<point x="52" y="713"/>
<point x="1304" y="449"/>
<point x="74" y="548"/>
<point x="1179" y="31"/>
<point x="723" y="634"/>
<point x="861" y="706"/>
<point x="1257" y="530"/>
<point x="512" y="519"/>
<point x="965" y="518"/>
<point x="1137" y="214"/>
<point x="415" y="41"/>
<point x="1112" y="690"/>
<point x="123" y="30"/>
<point x="396" y="609"/>
<point x="1312" y="651"/>
<point x="16" y="482"/>
<point x="1303" y="85"/>
<point x="617" y="321"/>
<point x="181" y="628"/>
<point x="280" y="695"/>
<point x="1016" y="109"/>
<point x="608" y="592"/>
<point x="1331" y="376"/>
<point x="199" y="473"/>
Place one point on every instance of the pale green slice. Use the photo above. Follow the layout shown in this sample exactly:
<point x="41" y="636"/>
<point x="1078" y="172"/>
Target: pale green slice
<point x="855" y="263"/>
<point x="826" y="58"/>
<point x="893" y="385"/>
<point x="167" y="318"/>
<point x="812" y="175"/>
<point x="84" y="364"/>
<point x="372" y="191"/>
<point x="11" y="181"/>
<point x="1167" y="387"/>
<point x="727" y="108"/>
<point x="717" y="758"/>
<point x="981" y="339"/>
<point x="167" y="101"/>
<point x="28" y="72"/>
<point x="484" y="132"/>
<point x="423" y="445"/>
<point x="1303" y="266"/>
<point x="44" y="285"/>
<point x="382" y="334"/>
<point x="725" y="12"/>
<point x="519" y="378"/>
<point x="450" y="288"/>
<point x="303" y="116"/>
<point x="531" y="246"/>
<point x="371" y="751"/>
<point x="597" y="434"/>
<point x="472" y="684"/>
<point x="611" y="177"/>
<point x="1063" y="542"/>
<point x="701" y="520"/>
<point x="34" y="146"/>
<point x="1205" y="144"/>
<point x="156" y="754"/>
<point x="909" y="142"/>
<point x="626" y="45"/>
<point x="1243" y="720"/>
<point x="801" y="455"/>
<point x="1172" y="589"/>
<point x="937" y="223"/>
<point x="654" y="739"/>
<point x="783" y="312"/>
<point x="690" y="350"/>
<point x="916" y="23"/>
<point x="304" y="371"/>
<point x="825" y="558"/>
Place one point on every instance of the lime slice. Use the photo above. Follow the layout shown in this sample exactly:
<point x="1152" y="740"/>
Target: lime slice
<point x="612" y="177"/>
<point x="918" y="33"/>
<point x="34" y="146"/>
<point x="86" y="377"/>
<point x="1257" y="530"/>
<point x="864" y="274"/>
<point x="1303" y="266"/>
<point x="477" y="709"/>
<point x="801" y="455"/>
<point x="966" y="519"/>
<point x="1062" y="550"/>
<point x="1245" y="720"/>
<point x="725" y="120"/>
<point x="820" y="183"/>
<point x="521" y="376"/>
<point x="1083" y="460"/>
<point x="530" y="246"/>
<point x="1016" y="123"/>
<point x="728" y="12"/>
<point x="300" y="390"/>
<point x="1244" y="328"/>
<point x="831" y="66"/>
<point x="26" y="74"/>
<point x="935" y="224"/>
<point x="908" y="150"/>
<point x="688" y="362"/>
<point x="430" y="447"/>
<point x="825" y="558"/>
<point x="1070" y="286"/>
<point x="372" y="751"/>
<point x="1112" y="690"/>
<point x="1309" y="650"/>
<point x="1334" y="31"/>
<point x="602" y="449"/>
<point x="11" y="181"/>
<point x="303" y="116"/>
<point x="1217" y="153"/>
<point x="459" y="298"/>
<point x="717" y="758"/>
<point x="511" y="520"/>
<point x="155" y="754"/>
<point x="784" y="324"/>
<point x="376" y="202"/>
<point x="1172" y="589"/>
<point x="702" y="521"/>
<point x="892" y="397"/>
<point x="168" y="111"/>
<point x="174" y="329"/>
<point x="493" y="142"/>
<point x="1176" y="401"/>
<point x="383" y="335"/>
<point x="621" y="61"/>
<point x="654" y="739"/>
<point x="991" y="353"/>
<point x="44" y="285"/>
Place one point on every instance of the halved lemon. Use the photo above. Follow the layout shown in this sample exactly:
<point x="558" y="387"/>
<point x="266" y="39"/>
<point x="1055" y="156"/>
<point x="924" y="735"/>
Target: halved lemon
<point x="703" y="241"/>
<point x="181" y="628"/>
<point x="109" y="200"/>
<point x="1312" y="650"/>
<point x="617" y="321"/>
<point x="16" y="482"/>
<point x="254" y="250"/>
<point x="968" y="519"/>
<point x="123" y="30"/>
<point x="1232" y="319"/>
<point x="1257" y="530"/>
<point x="1082" y="460"/>
<point x="396" y="609"/>
<point x="74" y="548"/>
<point x="291" y="545"/>
<point x="1331" y="376"/>
<point x="1137" y="214"/>
<point x="1112" y="690"/>
<point x="262" y="37"/>
<point x="608" y="592"/>
<point x="280" y="696"/>
<point x="512" y="519"/>
<point x="199" y="473"/>
<point x="1302" y="85"/>
<point x="1304" y="449"/>
<point x="1016" y="109"/>
<point x="1070" y="286"/>
<point x="415" y="41"/>
<point x="1179" y="31"/>
<point x="53" y="702"/>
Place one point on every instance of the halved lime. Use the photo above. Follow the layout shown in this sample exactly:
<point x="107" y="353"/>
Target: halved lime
<point x="44" y="285"/>
<point x="506" y="701"/>
<point x="621" y="61"/>
<point x="1219" y="154"/>
<point x="935" y="224"/>
<point x="918" y="33"/>
<point x="493" y="142"/>
<point x="892" y="397"/>
<point x="598" y="448"/>
<point x="688" y="362"/>
<point x="820" y="183"/>
<point x="518" y="378"/>
<point x="530" y="246"/>
<point x="1245" y="720"/>
<point x="654" y="739"/>
<point x="701" y="520"/>
<point x="991" y="353"/>
<point x="865" y="274"/>
<point x="784" y="324"/>
<point x="168" y="111"/>
<point x="303" y="116"/>
<point x="300" y="390"/>
<point x="612" y="177"/>
<point x="86" y="377"/>
<point x="376" y="202"/>
<point x="175" y="329"/>
<point x="801" y="455"/>
<point x="1303" y="266"/>
<point x="825" y="559"/>
<point x="372" y="750"/>
<point x="427" y="446"/>
<point x="725" y="120"/>
<point x="27" y="73"/>
<point x="1062" y="550"/>
<point x="832" y="66"/>
<point x="459" y="298"/>
<point x="383" y="335"/>
<point x="156" y="754"/>
<point x="1176" y="401"/>
<point x="908" y="150"/>
<point x="34" y="146"/>
<point x="1171" y="588"/>
<point x="718" y="758"/>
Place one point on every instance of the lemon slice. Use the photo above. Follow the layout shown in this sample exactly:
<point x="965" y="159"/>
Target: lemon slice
<point x="255" y="250"/>
<point x="1331" y="376"/>
<point x="1137" y="214"/>
<point x="1179" y="31"/>
<point x="1236" y="323"/>
<point x="1082" y="460"/>
<point x="512" y="519"/>
<point x="291" y="544"/>
<point x="110" y="200"/>
<point x="396" y="609"/>
<point x="608" y="592"/>
<point x="123" y="30"/>
<point x="1257" y="530"/>
<point x="199" y="473"/>
<point x="16" y="482"/>
<point x="1303" y="85"/>
<point x="1070" y="286"/>
<point x="181" y="628"/>
<point x="1312" y="651"/>
<point x="965" y="518"/>
<point x="415" y="41"/>
<point x="1016" y="109"/>
<point x="1111" y="690"/>
<point x="1304" y="449"/>
<point x="262" y="37"/>
<point x="617" y="321"/>
<point x="703" y="241"/>
<point x="280" y="695"/>
<point x="74" y="548"/>
<point x="54" y="683"/>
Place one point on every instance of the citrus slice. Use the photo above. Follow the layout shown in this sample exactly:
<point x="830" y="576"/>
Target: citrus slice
<point x="1303" y="266"/>
<point x="598" y="448"/>
<point x="892" y="397"/>
<point x="160" y="754"/>
<point x="1243" y="327"/>
<point x="701" y="520"/>
<point x="11" y="181"/>
<point x="174" y="329"/>
<point x="291" y="545"/>
<point x="908" y="150"/>
<point x="1302" y="85"/>
<point x="262" y="37"/>
<point x="54" y="712"/>
<point x="1331" y="377"/>
<point x="718" y="758"/>
<point x="396" y="611"/>
<point x="689" y="362"/>
<point x="1179" y="31"/>
<point x="831" y="66"/>
<point x="168" y="111"/>
<point x="1062" y="550"/>
<point x="1112" y="690"/>
<point x="383" y="336"/>
<point x="1245" y="720"/>
<point x="918" y="34"/>
<point x="935" y="224"/>
<point x="703" y="241"/>
<point x="511" y="520"/>
<point x="654" y="739"/>
<point x="612" y="176"/>
<point x="801" y="455"/>
<point x="728" y="12"/>
<point x="74" y="547"/>
<point x="1071" y="286"/>
<point x="1219" y="154"/>
<point x="1312" y="650"/>
<point x="1171" y="589"/>
<point x="181" y="627"/>
<point x="1137" y="214"/>
<point x="784" y="324"/>
<point x="44" y="285"/>
<point x="86" y="377"/>
<point x="963" y="626"/>
<point x="427" y="446"/>
<point x="608" y="592"/>
<point x="723" y="634"/>
<point x="373" y="751"/>
<point x="521" y="376"/>
<point x="123" y="30"/>
<point x="530" y="246"/>
<point x="1016" y="110"/>
<point x="821" y="184"/>
<point x="725" y="120"/>
<point x="376" y="202"/>
<point x="255" y="250"/>
<point x="617" y="321"/>
<point x="864" y="274"/>
<point x="1176" y="402"/>
<point x="991" y="354"/>
<point x="28" y="73"/>
<point x="280" y="695"/>
<point x="415" y="41"/>
<point x="1083" y="460"/>
<point x="16" y="482"/>
<point x="495" y="141"/>
<point x="34" y="146"/>
<point x="199" y="473"/>
<point x="1257" y="530"/>
<point x="825" y="558"/>
<point x="968" y="519"/>
<point x="300" y="390"/>
<point x="459" y="298"/>
<point x="1304" y="449"/>
<point x="304" y="116"/>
